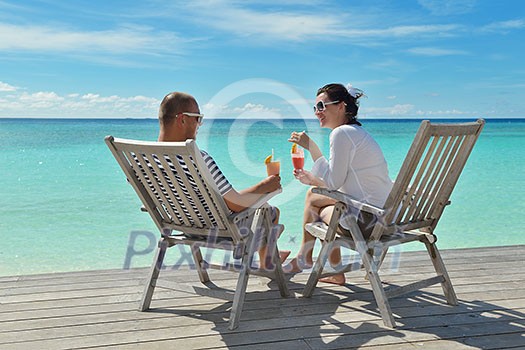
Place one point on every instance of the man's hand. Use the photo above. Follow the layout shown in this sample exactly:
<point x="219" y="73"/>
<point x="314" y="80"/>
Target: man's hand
<point x="237" y="201"/>
<point x="271" y="184"/>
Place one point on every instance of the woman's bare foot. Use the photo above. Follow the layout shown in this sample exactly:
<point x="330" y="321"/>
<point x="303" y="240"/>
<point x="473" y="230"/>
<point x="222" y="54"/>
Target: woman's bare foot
<point x="335" y="279"/>
<point x="266" y="261"/>
<point x="297" y="265"/>
<point x="283" y="254"/>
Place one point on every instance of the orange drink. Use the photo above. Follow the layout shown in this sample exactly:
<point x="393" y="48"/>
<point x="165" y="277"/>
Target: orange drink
<point x="273" y="167"/>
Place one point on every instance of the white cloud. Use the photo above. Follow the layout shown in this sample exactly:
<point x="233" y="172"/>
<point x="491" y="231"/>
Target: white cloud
<point x="281" y="25"/>
<point x="7" y="87"/>
<point x="409" y="111"/>
<point x="269" y="25"/>
<point x="95" y="98"/>
<point x="448" y="7"/>
<point x="396" y="110"/>
<point x="504" y="26"/>
<point x="75" y="105"/>
<point x="435" y="51"/>
<point x="445" y="113"/>
<point x="117" y="41"/>
<point x="247" y="110"/>
<point x="412" y="31"/>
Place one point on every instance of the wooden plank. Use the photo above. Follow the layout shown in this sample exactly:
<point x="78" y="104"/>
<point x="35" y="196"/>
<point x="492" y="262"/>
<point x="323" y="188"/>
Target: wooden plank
<point x="62" y="315"/>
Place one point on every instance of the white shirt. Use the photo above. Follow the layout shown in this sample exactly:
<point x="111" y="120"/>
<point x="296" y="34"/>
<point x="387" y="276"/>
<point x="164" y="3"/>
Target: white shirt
<point x="356" y="167"/>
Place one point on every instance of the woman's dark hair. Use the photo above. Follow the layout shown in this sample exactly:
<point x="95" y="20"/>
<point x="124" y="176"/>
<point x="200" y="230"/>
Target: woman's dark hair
<point x="337" y="92"/>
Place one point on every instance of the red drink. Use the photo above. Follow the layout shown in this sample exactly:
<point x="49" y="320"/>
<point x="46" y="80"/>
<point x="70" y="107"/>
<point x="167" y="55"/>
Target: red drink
<point x="298" y="158"/>
<point x="298" y="161"/>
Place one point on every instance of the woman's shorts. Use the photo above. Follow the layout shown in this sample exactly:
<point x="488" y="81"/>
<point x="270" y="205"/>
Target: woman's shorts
<point x="365" y="221"/>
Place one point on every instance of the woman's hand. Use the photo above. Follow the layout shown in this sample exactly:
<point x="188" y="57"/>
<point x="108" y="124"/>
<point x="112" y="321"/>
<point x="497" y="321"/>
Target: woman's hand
<point x="307" y="178"/>
<point x="303" y="140"/>
<point x="300" y="138"/>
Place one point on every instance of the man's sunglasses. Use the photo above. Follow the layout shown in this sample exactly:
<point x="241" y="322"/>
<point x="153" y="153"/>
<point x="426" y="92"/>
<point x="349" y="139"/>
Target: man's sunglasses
<point x="196" y="115"/>
<point x="321" y="105"/>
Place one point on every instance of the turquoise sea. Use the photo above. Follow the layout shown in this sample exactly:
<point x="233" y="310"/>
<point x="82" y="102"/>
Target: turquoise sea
<point x="65" y="205"/>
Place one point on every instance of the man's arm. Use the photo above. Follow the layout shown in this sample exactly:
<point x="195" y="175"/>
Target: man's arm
<point x="238" y="201"/>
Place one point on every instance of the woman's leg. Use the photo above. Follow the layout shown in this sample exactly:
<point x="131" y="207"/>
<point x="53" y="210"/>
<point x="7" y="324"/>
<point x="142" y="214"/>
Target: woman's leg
<point x="313" y="205"/>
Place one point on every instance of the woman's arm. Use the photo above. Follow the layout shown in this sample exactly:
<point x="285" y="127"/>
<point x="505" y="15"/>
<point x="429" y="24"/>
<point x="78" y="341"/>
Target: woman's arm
<point x="335" y="171"/>
<point x="303" y="140"/>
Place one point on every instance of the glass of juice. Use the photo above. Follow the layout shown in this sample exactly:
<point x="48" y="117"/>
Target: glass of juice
<point x="273" y="168"/>
<point x="298" y="158"/>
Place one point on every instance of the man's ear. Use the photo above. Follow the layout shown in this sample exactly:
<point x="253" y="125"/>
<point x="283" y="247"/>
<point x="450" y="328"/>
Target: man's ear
<point x="179" y="118"/>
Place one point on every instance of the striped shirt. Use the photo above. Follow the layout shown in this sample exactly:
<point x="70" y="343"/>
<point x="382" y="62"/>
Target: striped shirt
<point x="222" y="183"/>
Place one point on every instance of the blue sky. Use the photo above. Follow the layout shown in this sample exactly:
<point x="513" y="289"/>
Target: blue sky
<point x="262" y="59"/>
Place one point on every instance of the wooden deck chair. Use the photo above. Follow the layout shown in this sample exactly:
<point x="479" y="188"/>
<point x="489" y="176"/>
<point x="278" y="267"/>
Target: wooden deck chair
<point x="177" y="190"/>
<point x="411" y="212"/>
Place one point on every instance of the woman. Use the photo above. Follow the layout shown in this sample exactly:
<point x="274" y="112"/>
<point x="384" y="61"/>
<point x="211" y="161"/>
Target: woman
<point x="356" y="166"/>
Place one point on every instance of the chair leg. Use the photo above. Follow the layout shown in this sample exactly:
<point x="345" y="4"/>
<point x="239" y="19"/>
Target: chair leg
<point x="439" y="266"/>
<point x="326" y="248"/>
<point x="372" y="274"/>
<point x="378" y="258"/>
<point x="317" y="270"/>
<point x="381" y="257"/>
<point x="242" y="283"/>
<point x="276" y="260"/>
<point x="197" y="257"/>
<point x="153" y="275"/>
<point x="279" y="276"/>
<point x="378" y="290"/>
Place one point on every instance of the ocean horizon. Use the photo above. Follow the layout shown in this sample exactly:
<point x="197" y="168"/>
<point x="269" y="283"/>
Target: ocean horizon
<point x="66" y="205"/>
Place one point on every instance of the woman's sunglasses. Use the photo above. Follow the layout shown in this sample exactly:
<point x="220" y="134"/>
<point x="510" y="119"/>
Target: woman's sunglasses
<point x="321" y="105"/>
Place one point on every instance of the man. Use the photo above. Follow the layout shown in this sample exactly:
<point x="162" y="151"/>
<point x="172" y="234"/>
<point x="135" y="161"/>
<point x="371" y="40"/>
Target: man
<point x="180" y="119"/>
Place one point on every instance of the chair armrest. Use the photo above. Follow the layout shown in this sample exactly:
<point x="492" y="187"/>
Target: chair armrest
<point x="348" y="200"/>
<point x="250" y="210"/>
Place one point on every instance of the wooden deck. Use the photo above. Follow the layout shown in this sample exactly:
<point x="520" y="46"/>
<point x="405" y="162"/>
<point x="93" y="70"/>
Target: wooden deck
<point x="98" y="309"/>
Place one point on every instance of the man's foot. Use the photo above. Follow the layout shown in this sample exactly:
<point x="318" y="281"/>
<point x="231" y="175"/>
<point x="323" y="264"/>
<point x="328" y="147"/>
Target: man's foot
<point x="297" y="265"/>
<point x="335" y="279"/>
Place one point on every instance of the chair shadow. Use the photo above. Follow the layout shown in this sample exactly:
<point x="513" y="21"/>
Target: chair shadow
<point x="474" y="323"/>
<point x="348" y="317"/>
<point x="294" y="320"/>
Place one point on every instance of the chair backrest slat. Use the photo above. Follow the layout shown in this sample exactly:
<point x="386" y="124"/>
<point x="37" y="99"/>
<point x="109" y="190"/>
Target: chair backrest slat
<point x="175" y="185"/>
<point x="411" y="192"/>
<point x="432" y="173"/>
<point x="145" y="169"/>
<point x="417" y="186"/>
<point x="429" y="173"/>
<point x="204" y="192"/>
<point x="438" y="177"/>
<point x="173" y="192"/>
<point x="460" y="160"/>
<point x="137" y="161"/>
